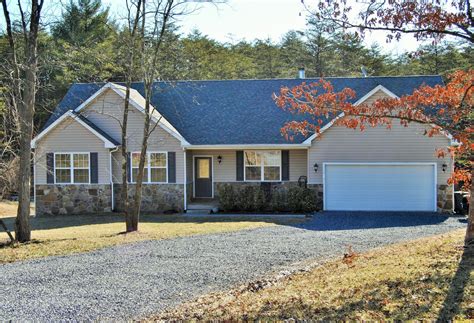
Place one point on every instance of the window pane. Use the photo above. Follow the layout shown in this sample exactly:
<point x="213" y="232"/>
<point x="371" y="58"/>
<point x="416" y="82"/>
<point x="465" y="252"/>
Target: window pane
<point x="158" y="174"/>
<point x="203" y="168"/>
<point x="81" y="176"/>
<point x="271" y="173"/>
<point x="252" y="158"/>
<point x="81" y="160"/>
<point x="63" y="160"/>
<point x="135" y="173"/>
<point x="253" y="173"/>
<point x="271" y="158"/>
<point x="158" y="160"/>
<point x="63" y="176"/>
<point x="136" y="160"/>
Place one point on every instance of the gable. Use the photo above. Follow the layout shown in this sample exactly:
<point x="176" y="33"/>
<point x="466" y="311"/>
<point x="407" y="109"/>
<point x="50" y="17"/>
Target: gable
<point x="376" y="96"/>
<point x="71" y="118"/>
<point x="70" y="135"/>
<point x="106" y="111"/>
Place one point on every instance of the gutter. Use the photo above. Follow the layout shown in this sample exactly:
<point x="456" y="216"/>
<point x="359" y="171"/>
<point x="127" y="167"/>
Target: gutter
<point x="249" y="146"/>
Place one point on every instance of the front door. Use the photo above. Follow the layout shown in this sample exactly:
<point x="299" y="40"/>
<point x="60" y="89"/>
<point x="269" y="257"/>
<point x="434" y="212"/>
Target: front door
<point x="202" y="177"/>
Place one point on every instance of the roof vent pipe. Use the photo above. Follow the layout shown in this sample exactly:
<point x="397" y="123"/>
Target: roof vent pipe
<point x="364" y="71"/>
<point x="301" y="73"/>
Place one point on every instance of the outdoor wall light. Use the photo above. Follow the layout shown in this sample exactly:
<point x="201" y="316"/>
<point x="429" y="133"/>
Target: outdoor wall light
<point x="219" y="159"/>
<point x="444" y="167"/>
<point x="315" y="167"/>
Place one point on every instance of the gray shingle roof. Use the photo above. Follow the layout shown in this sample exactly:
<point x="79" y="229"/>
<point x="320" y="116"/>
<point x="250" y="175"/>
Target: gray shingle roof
<point x="236" y="111"/>
<point x="96" y="128"/>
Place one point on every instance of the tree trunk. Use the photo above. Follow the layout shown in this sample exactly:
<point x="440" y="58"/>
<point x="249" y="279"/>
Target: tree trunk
<point x="26" y="113"/>
<point x="469" y="239"/>
<point x="125" y="163"/>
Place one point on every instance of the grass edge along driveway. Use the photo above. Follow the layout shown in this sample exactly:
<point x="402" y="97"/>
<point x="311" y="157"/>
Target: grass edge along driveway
<point x="430" y="278"/>
<point x="64" y="235"/>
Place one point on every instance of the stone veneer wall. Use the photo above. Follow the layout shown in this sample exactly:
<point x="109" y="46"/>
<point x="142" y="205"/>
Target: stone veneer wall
<point x="156" y="198"/>
<point x="445" y="199"/>
<point x="72" y="199"/>
<point x="271" y="187"/>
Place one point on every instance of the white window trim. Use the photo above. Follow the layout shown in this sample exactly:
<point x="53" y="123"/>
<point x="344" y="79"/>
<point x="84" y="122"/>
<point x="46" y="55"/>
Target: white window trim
<point x="262" y="179"/>
<point x="71" y="167"/>
<point x="148" y="167"/>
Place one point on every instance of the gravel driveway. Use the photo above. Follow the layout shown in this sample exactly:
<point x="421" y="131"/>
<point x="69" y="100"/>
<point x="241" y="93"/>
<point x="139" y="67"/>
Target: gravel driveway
<point x="135" y="280"/>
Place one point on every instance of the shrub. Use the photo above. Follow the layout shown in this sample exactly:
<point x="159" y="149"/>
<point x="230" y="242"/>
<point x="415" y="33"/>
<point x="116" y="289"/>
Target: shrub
<point x="301" y="199"/>
<point x="279" y="201"/>
<point x="246" y="199"/>
<point x="308" y="200"/>
<point x="227" y="197"/>
<point x="260" y="202"/>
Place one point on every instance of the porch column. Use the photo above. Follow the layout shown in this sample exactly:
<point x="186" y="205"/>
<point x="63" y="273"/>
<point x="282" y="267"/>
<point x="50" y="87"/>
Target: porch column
<point x="185" y="181"/>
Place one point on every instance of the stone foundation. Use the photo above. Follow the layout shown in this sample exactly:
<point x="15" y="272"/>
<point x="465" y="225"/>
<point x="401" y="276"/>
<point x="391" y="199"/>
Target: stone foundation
<point x="445" y="199"/>
<point x="156" y="198"/>
<point x="72" y="199"/>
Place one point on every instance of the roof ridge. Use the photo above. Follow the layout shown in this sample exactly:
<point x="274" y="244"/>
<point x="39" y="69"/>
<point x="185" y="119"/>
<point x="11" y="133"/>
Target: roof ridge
<point x="274" y="79"/>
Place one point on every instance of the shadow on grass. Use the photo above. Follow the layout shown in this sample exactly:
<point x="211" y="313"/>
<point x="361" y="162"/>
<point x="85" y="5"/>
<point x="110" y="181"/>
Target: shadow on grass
<point x="393" y="299"/>
<point x="324" y="221"/>
<point x="456" y="293"/>
<point x="58" y="222"/>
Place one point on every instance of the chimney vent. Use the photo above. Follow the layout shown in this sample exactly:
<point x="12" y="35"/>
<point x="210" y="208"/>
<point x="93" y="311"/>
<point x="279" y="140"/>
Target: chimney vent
<point x="301" y="73"/>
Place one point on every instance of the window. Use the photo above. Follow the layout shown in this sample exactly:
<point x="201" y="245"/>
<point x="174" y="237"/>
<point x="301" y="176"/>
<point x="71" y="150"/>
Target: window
<point x="155" y="170"/>
<point x="72" y="168"/>
<point x="262" y="165"/>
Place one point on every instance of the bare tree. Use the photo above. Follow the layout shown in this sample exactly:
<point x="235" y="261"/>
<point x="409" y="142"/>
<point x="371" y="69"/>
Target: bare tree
<point x="152" y="18"/>
<point x="134" y="39"/>
<point x="24" y="98"/>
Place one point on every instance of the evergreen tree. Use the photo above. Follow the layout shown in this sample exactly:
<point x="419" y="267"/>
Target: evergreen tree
<point x="83" y="23"/>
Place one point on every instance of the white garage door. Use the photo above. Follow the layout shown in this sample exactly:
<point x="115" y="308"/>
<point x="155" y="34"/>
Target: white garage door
<point x="379" y="187"/>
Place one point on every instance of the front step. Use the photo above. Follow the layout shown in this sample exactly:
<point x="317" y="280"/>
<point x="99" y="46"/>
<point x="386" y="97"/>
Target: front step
<point x="201" y="208"/>
<point x="199" y="211"/>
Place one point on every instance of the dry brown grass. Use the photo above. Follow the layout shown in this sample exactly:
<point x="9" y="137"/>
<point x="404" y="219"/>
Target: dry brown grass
<point x="431" y="278"/>
<point x="8" y="208"/>
<point x="72" y="234"/>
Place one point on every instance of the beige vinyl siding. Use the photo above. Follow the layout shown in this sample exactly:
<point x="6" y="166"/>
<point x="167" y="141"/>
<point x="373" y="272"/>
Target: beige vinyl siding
<point x="298" y="163"/>
<point x="71" y="136"/>
<point x="226" y="170"/>
<point x="106" y="111"/>
<point x="376" y="96"/>
<point x="399" y="144"/>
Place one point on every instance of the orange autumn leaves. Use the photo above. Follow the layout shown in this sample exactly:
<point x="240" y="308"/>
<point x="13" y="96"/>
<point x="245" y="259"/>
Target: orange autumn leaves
<point x="446" y="108"/>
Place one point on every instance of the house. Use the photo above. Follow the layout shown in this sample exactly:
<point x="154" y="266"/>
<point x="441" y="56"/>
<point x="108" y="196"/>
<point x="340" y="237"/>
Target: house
<point x="215" y="132"/>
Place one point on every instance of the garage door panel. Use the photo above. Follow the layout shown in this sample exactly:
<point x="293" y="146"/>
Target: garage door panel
<point x="374" y="187"/>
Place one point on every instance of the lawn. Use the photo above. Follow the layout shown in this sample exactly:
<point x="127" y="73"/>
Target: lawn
<point x="8" y="208"/>
<point x="63" y="235"/>
<point x="428" y="279"/>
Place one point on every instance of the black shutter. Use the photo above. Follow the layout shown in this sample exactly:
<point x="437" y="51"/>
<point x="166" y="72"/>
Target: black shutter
<point x="94" y="159"/>
<point x="50" y="168"/>
<point x="171" y="167"/>
<point x="129" y="165"/>
<point x="240" y="165"/>
<point x="285" y="165"/>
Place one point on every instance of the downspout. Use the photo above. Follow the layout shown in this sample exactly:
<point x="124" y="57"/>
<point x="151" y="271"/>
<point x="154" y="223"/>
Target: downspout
<point x="112" y="202"/>
<point x="34" y="179"/>
<point x="185" y="181"/>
